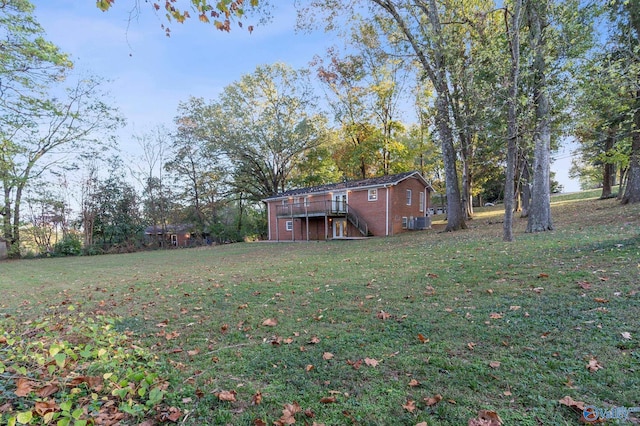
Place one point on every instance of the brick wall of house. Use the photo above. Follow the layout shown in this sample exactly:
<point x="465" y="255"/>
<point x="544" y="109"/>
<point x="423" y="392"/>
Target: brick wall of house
<point x="400" y="208"/>
<point x="373" y="212"/>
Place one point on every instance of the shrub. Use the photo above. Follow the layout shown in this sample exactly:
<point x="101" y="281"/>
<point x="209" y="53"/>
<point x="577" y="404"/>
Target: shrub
<point x="69" y="246"/>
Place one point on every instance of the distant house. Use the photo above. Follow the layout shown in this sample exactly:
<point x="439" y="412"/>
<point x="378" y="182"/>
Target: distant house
<point x="170" y="235"/>
<point x="382" y="206"/>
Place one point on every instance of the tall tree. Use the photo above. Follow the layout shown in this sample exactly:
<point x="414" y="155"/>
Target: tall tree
<point x="626" y="16"/>
<point x="199" y="176"/>
<point x="149" y="172"/>
<point x="261" y="127"/>
<point x="419" y="24"/>
<point x="540" y="211"/>
<point x="512" y="21"/>
<point x="48" y="134"/>
<point x="346" y="97"/>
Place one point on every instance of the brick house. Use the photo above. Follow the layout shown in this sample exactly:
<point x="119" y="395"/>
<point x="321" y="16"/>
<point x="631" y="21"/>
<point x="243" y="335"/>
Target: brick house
<point x="382" y="206"/>
<point x="170" y="235"/>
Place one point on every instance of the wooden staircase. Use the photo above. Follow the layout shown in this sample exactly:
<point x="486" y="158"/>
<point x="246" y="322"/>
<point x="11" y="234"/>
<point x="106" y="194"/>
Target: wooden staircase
<point x="357" y="221"/>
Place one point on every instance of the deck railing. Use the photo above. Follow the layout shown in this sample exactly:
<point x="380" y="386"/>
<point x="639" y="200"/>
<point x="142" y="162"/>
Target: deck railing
<point x="322" y="208"/>
<point x="311" y="208"/>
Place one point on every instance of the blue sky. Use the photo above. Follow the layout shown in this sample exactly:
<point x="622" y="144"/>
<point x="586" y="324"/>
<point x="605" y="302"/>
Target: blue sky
<point x="150" y="73"/>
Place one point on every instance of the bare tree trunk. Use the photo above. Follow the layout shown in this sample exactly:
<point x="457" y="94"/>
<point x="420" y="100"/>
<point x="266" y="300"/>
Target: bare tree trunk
<point x="540" y="211"/>
<point x="525" y="184"/>
<point x="632" y="190"/>
<point x="512" y="121"/>
<point x="435" y="68"/>
<point x="6" y="216"/>
<point x="607" y="170"/>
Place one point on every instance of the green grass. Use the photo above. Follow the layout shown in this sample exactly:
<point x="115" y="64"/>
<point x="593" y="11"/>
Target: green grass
<point x="475" y="298"/>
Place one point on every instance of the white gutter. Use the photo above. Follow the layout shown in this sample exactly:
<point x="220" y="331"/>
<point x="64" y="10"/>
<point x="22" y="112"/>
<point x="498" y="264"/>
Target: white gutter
<point x="387" y="213"/>
<point x="269" y="220"/>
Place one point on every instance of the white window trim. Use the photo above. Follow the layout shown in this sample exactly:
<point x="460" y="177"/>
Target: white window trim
<point x="421" y="201"/>
<point x="409" y="196"/>
<point x="405" y="222"/>
<point x="372" y="194"/>
<point x="288" y="225"/>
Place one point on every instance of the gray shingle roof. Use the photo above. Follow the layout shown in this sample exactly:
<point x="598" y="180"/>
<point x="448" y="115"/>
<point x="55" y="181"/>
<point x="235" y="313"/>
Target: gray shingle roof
<point x="353" y="184"/>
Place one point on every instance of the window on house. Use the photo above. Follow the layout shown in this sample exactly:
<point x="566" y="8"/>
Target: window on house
<point x="408" y="197"/>
<point x="306" y="201"/>
<point x="289" y="225"/>
<point x="373" y="195"/>
<point x="422" y="201"/>
<point x="405" y="222"/>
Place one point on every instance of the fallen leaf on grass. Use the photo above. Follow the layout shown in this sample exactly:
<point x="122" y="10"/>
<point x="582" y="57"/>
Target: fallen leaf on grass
<point x="495" y="315"/>
<point x="172" y="335"/>
<point x="94" y="382"/>
<point x="23" y="387"/>
<point x="172" y="413"/>
<point x="314" y="340"/>
<point x="327" y="356"/>
<point x="422" y="338"/>
<point x="308" y="368"/>
<point x="494" y="364"/>
<point x="471" y="345"/>
<point x="355" y="364"/>
<point x="433" y="400"/>
<point x="537" y="289"/>
<point x="413" y="383"/>
<point x="383" y="315"/>
<point x="410" y="406"/>
<point x="288" y="414"/>
<point x="543" y="275"/>
<point x="371" y="362"/>
<point x="585" y="285"/>
<point x="257" y="398"/>
<point x="626" y="335"/>
<point x="270" y="322"/>
<point x="429" y="291"/>
<point x="328" y="400"/>
<point x="44" y="407"/>
<point x="47" y="390"/>
<point x="570" y="402"/>
<point x="229" y="396"/>
<point x="259" y="422"/>
<point x="601" y="300"/>
<point x="193" y="352"/>
<point x="421" y="424"/>
<point x="594" y="365"/>
<point x="486" y="418"/>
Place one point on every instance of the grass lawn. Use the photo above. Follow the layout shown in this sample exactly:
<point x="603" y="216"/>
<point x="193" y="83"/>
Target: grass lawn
<point x="423" y="327"/>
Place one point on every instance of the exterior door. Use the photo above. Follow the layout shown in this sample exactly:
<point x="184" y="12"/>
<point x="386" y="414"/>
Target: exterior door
<point x="339" y="228"/>
<point x="340" y="202"/>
